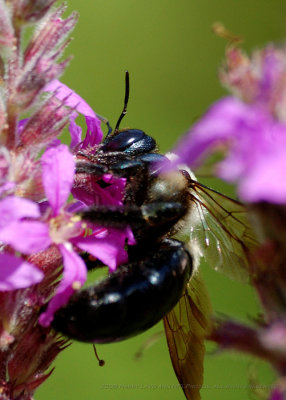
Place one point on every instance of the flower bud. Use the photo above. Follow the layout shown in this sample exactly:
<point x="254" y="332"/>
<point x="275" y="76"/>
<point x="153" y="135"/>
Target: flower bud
<point x="6" y="29"/>
<point x="30" y="11"/>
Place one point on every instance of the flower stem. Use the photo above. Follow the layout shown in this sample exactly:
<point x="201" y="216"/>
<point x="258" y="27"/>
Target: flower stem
<point x="13" y="73"/>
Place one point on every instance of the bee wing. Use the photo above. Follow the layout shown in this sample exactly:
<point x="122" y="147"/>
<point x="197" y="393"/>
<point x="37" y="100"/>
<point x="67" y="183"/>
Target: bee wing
<point x="223" y="231"/>
<point x="186" y="327"/>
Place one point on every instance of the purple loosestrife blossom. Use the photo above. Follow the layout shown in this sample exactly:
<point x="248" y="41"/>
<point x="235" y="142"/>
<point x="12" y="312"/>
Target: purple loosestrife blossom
<point x="256" y="146"/>
<point x="85" y="188"/>
<point x="28" y="275"/>
<point x="71" y="99"/>
<point x="15" y="272"/>
<point x="66" y="230"/>
<point x="249" y="129"/>
<point x="41" y="234"/>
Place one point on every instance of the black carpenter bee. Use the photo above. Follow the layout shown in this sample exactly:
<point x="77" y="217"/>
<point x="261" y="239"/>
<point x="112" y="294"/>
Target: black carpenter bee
<point x="160" y="280"/>
<point x="139" y="294"/>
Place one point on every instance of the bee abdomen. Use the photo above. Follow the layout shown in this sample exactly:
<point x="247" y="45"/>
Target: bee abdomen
<point x="130" y="300"/>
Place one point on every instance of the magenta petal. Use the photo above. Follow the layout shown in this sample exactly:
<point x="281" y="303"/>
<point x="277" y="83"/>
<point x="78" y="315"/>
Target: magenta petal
<point x="129" y="235"/>
<point x="58" y="172"/>
<point x="13" y="208"/>
<point x="74" y="275"/>
<point x="7" y="187"/>
<point x="229" y="119"/>
<point x="76" y="207"/>
<point x="93" y="134"/>
<point x="101" y="248"/>
<point x="108" y="247"/>
<point x="16" y="273"/>
<point x="75" y="131"/>
<point x="73" y="100"/>
<point x="257" y="160"/>
<point x="115" y="188"/>
<point x="92" y="194"/>
<point x="26" y="236"/>
<point x="270" y="76"/>
<point x="265" y="181"/>
<point x="99" y="195"/>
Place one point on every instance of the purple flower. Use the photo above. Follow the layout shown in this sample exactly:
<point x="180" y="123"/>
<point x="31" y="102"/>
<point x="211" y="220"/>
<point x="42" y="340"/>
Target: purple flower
<point x="259" y="79"/>
<point x="255" y="145"/>
<point x="73" y="100"/>
<point x="251" y="130"/>
<point x="16" y="273"/>
<point x="59" y="225"/>
<point x="67" y="231"/>
<point x="89" y="191"/>
<point x="24" y="228"/>
<point x="19" y="229"/>
<point x="39" y="229"/>
<point x="86" y="189"/>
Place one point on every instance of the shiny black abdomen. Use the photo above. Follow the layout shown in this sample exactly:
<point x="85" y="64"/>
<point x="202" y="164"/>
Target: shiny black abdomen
<point x="129" y="301"/>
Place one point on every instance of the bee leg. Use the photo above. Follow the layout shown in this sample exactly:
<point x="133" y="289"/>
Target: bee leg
<point x="149" y="220"/>
<point x="90" y="168"/>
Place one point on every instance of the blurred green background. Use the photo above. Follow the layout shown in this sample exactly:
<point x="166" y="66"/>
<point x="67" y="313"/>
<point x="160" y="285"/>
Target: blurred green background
<point x="173" y="57"/>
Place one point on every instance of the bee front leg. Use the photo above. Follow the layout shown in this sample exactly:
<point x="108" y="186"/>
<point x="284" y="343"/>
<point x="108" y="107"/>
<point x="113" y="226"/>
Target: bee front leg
<point x="150" y="221"/>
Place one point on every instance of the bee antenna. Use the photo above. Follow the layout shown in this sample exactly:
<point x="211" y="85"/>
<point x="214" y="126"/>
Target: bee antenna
<point x="124" y="111"/>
